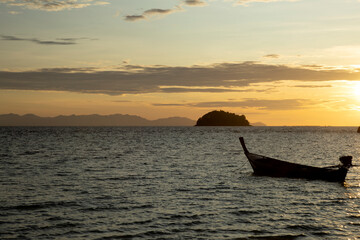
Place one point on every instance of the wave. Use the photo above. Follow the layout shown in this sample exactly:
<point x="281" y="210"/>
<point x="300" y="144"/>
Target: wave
<point x="29" y="152"/>
<point x="36" y="206"/>
<point x="278" y="237"/>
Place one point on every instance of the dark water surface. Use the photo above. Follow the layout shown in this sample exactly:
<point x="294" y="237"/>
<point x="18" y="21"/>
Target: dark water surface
<point x="173" y="183"/>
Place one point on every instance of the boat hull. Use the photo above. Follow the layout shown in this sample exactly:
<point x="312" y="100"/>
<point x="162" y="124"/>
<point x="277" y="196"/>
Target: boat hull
<point x="265" y="166"/>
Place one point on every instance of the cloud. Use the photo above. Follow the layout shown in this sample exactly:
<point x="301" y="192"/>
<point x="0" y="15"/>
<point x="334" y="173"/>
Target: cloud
<point x="161" y="12"/>
<point x="313" y="86"/>
<point x="247" y="2"/>
<point x="136" y="79"/>
<point x="260" y="104"/>
<point x="52" y="5"/>
<point x="194" y="3"/>
<point x="157" y="11"/>
<point x="133" y="18"/>
<point x="206" y="90"/>
<point x="283" y="104"/>
<point x="14" y="12"/>
<point x="170" y="105"/>
<point x="59" y="41"/>
<point x="272" y="56"/>
<point x="152" y="12"/>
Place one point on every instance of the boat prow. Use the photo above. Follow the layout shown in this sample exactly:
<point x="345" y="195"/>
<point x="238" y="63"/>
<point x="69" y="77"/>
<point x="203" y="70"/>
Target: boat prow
<point x="267" y="166"/>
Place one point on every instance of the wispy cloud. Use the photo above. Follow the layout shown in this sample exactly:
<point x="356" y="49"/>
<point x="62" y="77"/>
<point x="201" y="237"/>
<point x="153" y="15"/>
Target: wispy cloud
<point x="133" y="18"/>
<point x="207" y="90"/>
<point x="259" y="104"/>
<point x="59" y="41"/>
<point x="247" y="2"/>
<point x="194" y="3"/>
<point x="162" y="12"/>
<point x="14" y="12"/>
<point x="313" y="86"/>
<point x="158" y="11"/>
<point x="53" y="5"/>
<point x="271" y="56"/>
<point x="151" y="13"/>
<point x="135" y="79"/>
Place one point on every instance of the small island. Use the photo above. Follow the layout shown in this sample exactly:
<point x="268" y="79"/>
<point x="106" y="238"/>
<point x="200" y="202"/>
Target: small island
<point x="222" y="118"/>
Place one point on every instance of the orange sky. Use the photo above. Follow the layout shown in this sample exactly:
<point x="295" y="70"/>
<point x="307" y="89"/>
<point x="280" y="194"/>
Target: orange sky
<point x="279" y="62"/>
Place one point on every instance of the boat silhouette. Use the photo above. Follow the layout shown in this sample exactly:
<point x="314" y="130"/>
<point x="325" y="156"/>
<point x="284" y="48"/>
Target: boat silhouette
<point x="267" y="166"/>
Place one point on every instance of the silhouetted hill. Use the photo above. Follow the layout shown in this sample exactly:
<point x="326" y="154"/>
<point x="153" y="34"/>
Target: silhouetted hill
<point x="222" y="118"/>
<point x="90" y="120"/>
<point x="258" y="124"/>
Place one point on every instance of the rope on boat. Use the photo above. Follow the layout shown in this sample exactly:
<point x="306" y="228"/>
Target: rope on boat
<point x="243" y="165"/>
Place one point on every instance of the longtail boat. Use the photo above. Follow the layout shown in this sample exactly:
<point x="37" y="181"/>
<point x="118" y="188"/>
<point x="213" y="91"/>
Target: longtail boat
<point x="267" y="166"/>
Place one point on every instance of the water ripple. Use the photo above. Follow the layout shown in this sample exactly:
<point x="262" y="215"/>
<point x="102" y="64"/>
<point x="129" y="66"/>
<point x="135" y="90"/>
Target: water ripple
<point x="172" y="183"/>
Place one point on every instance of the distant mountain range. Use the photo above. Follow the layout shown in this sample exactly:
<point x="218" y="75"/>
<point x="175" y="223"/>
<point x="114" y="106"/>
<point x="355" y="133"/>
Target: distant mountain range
<point x="91" y="120"/>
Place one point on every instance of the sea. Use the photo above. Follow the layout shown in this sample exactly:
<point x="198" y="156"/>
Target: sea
<point x="173" y="183"/>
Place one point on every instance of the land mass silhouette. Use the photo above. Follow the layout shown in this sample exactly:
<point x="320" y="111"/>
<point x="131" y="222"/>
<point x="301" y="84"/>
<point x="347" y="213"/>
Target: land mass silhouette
<point x="91" y="120"/>
<point x="222" y="118"/>
<point x="258" y="124"/>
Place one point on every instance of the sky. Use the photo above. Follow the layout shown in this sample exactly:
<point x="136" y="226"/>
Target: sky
<point x="280" y="62"/>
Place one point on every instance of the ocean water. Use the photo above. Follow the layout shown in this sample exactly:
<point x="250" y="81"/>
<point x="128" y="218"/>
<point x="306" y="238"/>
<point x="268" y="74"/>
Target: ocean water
<point x="173" y="183"/>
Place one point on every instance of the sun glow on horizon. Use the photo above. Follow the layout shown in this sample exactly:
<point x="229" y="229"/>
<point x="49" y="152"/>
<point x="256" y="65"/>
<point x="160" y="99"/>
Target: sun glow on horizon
<point x="356" y="89"/>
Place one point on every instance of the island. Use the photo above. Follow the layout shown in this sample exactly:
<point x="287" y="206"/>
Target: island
<point x="222" y="118"/>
